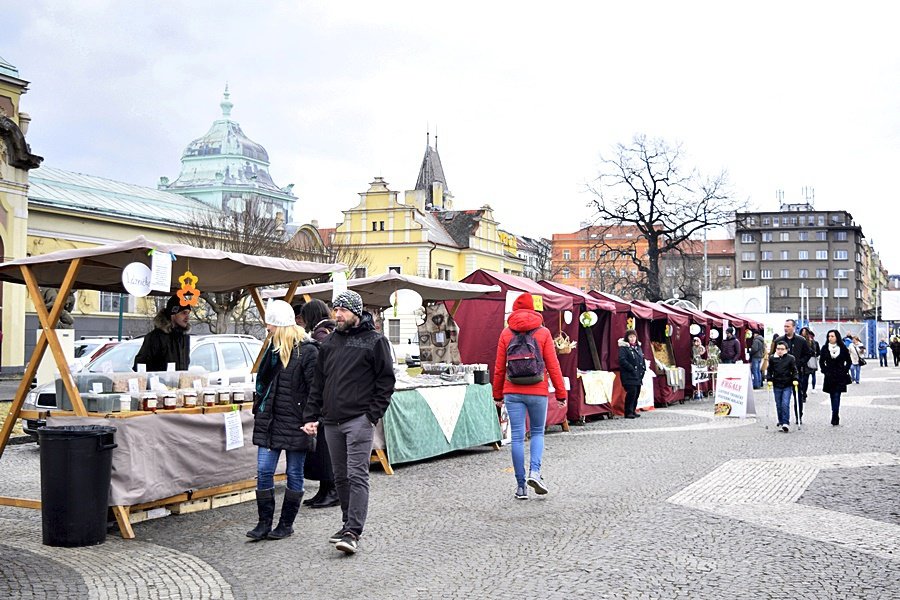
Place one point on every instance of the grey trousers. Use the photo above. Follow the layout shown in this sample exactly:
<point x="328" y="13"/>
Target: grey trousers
<point x="350" y="445"/>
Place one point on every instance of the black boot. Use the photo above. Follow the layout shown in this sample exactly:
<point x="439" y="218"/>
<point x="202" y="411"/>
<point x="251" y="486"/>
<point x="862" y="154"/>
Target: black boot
<point x="289" y="508"/>
<point x="265" y="506"/>
<point x="835" y="418"/>
<point x="320" y="493"/>
<point x="330" y="498"/>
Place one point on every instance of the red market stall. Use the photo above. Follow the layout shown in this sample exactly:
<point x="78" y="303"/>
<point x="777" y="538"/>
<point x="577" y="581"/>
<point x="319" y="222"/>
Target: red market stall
<point x="670" y="344"/>
<point x="481" y="320"/>
<point x="705" y="323"/>
<point x="590" y="340"/>
<point x="738" y="323"/>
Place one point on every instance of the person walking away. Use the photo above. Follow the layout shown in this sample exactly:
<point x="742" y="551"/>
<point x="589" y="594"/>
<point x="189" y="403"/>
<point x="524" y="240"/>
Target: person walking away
<point x="882" y="352"/>
<point x="782" y="375"/>
<point x="855" y="359"/>
<point x="169" y="342"/>
<point x="316" y="318"/>
<point x="757" y="352"/>
<point x="799" y="348"/>
<point x="631" y="370"/>
<point x="731" y="347"/>
<point x="835" y="362"/>
<point x="525" y="355"/>
<point x="282" y="389"/>
<point x="813" y="364"/>
<point x="895" y="350"/>
<point x="351" y="391"/>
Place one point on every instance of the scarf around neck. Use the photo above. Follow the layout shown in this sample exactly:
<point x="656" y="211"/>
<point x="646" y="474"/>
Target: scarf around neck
<point x="834" y="350"/>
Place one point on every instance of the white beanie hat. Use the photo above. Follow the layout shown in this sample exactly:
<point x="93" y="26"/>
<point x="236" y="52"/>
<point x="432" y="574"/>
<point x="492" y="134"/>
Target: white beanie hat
<point x="280" y="314"/>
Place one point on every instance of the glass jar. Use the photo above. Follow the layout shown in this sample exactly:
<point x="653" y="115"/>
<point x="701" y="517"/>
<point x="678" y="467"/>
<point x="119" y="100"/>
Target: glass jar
<point x="189" y="398"/>
<point x="148" y="401"/>
<point x="237" y="395"/>
<point x="223" y="397"/>
<point x="209" y="397"/>
<point x="169" y="400"/>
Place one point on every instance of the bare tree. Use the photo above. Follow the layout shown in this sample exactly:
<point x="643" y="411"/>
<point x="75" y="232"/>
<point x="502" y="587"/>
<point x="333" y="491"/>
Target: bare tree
<point x="315" y="247"/>
<point x="250" y="231"/>
<point x="645" y="186"/>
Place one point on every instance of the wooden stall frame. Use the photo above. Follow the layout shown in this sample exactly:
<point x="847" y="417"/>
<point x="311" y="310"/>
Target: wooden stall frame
<point x="48" y="338"/>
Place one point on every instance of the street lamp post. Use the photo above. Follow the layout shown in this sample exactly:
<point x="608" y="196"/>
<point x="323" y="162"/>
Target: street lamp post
<point x="839" y="272"/>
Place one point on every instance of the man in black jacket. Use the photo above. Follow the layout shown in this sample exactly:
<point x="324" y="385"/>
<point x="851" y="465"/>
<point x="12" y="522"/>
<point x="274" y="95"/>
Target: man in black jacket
<point x="351" y="391"/>
<point x="799" y="348"/>
<point x="169" y="342"/>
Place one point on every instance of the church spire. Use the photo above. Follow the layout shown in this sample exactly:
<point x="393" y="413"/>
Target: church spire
<point x="226" y="103"/>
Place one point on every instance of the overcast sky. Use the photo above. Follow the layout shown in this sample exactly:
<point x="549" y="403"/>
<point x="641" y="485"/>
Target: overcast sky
<point x="524" y="96"/>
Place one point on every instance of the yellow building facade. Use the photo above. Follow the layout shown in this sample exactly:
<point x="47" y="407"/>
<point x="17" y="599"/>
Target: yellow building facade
<point x="420" y="233"/>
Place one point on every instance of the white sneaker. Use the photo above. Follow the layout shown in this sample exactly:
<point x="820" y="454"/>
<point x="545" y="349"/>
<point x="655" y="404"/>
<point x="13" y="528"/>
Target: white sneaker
<point x="785" y="428"/>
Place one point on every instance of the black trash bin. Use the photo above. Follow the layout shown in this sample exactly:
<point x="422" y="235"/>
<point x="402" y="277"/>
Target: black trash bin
<point x="76" y="464"/>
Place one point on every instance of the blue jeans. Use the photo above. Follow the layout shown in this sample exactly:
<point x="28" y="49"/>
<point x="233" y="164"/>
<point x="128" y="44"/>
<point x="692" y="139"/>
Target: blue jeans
<point x="835" y="402"/>
<point x="267" y="461"/>
<point x="518" y="405"/>
<point x="783" y="404"/>
<point x="854" y="373"/>
<point x="755" y="373"/>
<point x="882" y="359"/>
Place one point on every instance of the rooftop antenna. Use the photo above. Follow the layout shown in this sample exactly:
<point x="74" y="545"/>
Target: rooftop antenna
<point x="435" y="138"/>
<point x="427" y="134"/>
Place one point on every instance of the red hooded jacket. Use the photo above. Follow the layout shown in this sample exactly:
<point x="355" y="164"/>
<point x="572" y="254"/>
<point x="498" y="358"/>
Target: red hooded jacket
<point x="522" y="319"/>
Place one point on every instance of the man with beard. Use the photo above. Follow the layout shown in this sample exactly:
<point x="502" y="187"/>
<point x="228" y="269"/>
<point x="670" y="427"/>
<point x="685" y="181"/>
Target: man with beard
<point x="169" y="342"/>
<point x="352" y="388"/>
<point x="799" y="348"/>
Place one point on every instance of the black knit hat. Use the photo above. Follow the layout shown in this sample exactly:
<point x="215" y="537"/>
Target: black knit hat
<point x="173" y="306"/>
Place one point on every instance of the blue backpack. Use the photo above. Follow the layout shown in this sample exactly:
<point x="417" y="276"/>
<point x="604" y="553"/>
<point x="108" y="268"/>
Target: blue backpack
<point x="524" y="362"/>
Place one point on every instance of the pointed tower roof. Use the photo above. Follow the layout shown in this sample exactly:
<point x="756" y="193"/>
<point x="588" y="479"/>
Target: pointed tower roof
<point x="431" y="170"/>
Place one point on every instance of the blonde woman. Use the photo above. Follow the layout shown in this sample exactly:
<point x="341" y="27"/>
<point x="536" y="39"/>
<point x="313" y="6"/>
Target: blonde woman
<point x="282" y="388"/>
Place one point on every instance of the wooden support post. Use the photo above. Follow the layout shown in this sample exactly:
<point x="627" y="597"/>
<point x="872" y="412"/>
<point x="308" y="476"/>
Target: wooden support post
<point x="124" y="521"/>
<point x="20" y="502"/>
<point x="257" y="299"/>
<point x="592" y="344"/>
<point x="381" y="457"/>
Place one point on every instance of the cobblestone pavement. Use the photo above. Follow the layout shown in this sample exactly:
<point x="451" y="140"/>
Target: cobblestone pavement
<point x="676" y="504"/>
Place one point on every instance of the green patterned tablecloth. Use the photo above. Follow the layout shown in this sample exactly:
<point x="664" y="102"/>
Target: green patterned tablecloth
<point x="411" y="431"/>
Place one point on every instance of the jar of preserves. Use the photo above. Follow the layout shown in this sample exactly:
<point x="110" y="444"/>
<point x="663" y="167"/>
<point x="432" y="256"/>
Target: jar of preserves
<point x="223" y="397"/>
<point x="238" y="395"/>
<point x="189" y="398"/>
<point x="169" y="399"/>
<point x="148" y="401"/>
<point x="209" y="397"/>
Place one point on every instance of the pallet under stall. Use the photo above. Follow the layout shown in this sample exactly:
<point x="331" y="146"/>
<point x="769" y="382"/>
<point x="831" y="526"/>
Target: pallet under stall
<point x="220" y="476"/>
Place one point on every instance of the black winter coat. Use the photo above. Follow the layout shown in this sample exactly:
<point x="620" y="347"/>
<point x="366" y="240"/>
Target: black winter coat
<point x="354" y="376"/>
<point x="782" y="372"/>
<point x="165" y="344"/>
<point x="800" y="349"/>
<point x="278" y="422"/>
<point x="836" y="370"/>
<point x="631" y="364"/>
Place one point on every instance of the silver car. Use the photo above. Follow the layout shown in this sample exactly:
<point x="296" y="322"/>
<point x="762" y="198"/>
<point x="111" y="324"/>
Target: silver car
<point x="224" y="357"/>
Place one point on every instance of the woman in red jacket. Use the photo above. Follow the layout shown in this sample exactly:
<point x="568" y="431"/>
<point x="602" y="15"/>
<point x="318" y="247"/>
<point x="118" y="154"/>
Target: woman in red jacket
<point x="522" y="386"/>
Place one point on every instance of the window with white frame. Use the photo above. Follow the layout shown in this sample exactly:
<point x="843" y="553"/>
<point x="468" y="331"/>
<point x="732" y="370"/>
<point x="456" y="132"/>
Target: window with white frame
<point x="821" y="220"/>
<point x="821" y="236"/>
<point x="766" y="255"/>
<point x="840" y="236"/>
<point x="765" y="274"/>
<point x="785" y="255"/>
<point x="858" y="293"/>
<point x="567" y="255"/>
<point x="728" y="271"/>
<point x="747" y="238"/>
<point x="803" y="254"/>
<point x="593" y="254"/>
<point x="360" y="272"/>
<point x="582" y="254"/>
<point x="767" y="236"/>
<point x="821" y="273"/>
<point x="811" y="220"/>
<point x="394" y="331"/>
<point x="784" y="293"/>
<point x="748" y="256"/>
<point x="634" y="272"/>
<point x="565" y="272"/>
<point x="110" y="301"/>
<point x="803" y="236"/>
<point x="444" y="273"/>
<point x="765" y="220"/>
<point x="821" y="292"/>
<point x="841" y="273"/>
<point x="841" y="292"/>
<point x="803" y="273"/>
<point x="839" y="255"/>
<point x="821" y="254"/>
<point x="748" y="274"/>
<point x="785" y="273"/>
<point x="784" y="236"/>
<point x="622" y="272"/>
<point x="582" y="273"/>
<point x="721" y="271"/>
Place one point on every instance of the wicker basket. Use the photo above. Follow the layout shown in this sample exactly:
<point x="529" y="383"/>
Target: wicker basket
<point x="564" y="345"/>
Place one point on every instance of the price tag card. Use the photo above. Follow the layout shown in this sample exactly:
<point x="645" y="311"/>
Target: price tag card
<point x="198" y="385"/>
<point x="97" y="387"/>
<point x="170" y="366"/>
<point x="155" y="383"/>
<point x="133" y="387"/>
<point x="234" y="431"/>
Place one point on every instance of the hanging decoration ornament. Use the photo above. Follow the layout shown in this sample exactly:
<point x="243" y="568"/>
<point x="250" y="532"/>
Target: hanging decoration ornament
<point x="748" y="334"/>
<point x="588" y="319"/>
<point x="629" y="324"/>
<point x="695" y="329"/>
<point x="668" y="331"/>
<point x="188" y="295"/>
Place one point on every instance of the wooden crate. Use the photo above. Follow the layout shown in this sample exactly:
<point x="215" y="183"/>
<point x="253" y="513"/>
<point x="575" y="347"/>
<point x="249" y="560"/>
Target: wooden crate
<point x="191" y="506"/>
<point x="233" y="498"/>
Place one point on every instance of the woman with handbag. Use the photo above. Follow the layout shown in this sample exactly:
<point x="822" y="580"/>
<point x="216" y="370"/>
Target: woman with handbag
<point x="282" y="388"/>
<point x="835" y="362"/>
<point x="856" y="359"/>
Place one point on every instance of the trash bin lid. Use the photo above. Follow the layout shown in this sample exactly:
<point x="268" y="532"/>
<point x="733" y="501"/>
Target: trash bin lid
<point x="74" y="431"/>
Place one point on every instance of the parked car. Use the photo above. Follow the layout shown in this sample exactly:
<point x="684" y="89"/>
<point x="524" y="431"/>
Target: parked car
<point x="223" y="357"/>
<point x="89" y="348"/>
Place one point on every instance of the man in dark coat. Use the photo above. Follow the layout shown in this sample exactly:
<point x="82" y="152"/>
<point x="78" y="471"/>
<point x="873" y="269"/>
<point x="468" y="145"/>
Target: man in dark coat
<point x="631" y="369"/>
<point x="731" y="347"/>
<point x="169" y="342"/>
<point x="799" y="348"/>
<point x="351" y="392"/>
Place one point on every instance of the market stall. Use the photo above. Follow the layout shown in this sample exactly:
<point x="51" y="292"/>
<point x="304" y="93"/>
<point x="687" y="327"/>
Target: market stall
<point x="161" y="269"/>
<point x="429" y="414"/>
<point x="482" y="320"/>
<point x="670" y="341"/>
<point x="739" y="324"/>
<point x="594" y="318"/>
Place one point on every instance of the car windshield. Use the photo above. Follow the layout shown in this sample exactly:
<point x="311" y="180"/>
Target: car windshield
<point x="118" y="359"/>
<point x="85" y="348"/>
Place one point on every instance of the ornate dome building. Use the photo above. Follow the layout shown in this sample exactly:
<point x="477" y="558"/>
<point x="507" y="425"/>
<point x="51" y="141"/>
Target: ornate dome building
<point x="228" y="170"/>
